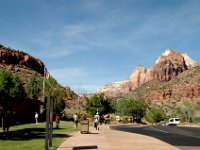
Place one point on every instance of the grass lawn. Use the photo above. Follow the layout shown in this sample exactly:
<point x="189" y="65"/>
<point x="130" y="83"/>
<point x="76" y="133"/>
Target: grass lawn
<point x="32" y="136"/>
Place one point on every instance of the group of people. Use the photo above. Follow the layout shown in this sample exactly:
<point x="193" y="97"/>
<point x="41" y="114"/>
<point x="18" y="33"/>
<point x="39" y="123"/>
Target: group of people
<point x="96" y="120"/>
<point x="76" y="120"/>
<point x="57" y="119"/>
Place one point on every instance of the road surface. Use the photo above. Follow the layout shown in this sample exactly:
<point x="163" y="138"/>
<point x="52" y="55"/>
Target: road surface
<point x="185" y="138"/>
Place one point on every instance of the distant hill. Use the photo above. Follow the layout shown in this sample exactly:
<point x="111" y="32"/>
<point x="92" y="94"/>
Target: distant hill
<point x="175" y="77"/>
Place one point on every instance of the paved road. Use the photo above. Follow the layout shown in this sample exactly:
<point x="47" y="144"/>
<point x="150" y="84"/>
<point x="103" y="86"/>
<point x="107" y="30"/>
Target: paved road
<point x="185" y="138"/>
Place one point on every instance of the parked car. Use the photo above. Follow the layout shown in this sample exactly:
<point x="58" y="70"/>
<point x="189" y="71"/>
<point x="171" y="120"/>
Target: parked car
<point x="174" y="121"/>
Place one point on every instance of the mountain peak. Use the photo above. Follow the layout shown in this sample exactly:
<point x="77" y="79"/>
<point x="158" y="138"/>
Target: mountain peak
<point x="167" y="52"/>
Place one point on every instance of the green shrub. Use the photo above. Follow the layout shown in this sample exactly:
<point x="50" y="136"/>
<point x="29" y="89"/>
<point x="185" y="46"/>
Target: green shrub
<point x="155" y="115"/>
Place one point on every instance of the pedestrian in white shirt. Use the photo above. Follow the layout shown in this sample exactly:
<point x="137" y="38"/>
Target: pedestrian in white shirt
<point x="96" y="121"/>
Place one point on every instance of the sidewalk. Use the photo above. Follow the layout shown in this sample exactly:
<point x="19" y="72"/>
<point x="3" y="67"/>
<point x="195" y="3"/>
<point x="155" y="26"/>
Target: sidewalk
<point x="107" y="139"/>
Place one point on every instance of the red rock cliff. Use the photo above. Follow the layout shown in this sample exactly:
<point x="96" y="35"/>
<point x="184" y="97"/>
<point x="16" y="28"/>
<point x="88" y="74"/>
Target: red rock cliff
<point x="8" y="56"/>
<point x="168" y="66"/>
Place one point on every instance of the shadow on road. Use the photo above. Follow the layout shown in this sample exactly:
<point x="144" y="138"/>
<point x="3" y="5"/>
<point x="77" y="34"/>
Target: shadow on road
<point x="85" y="147"/>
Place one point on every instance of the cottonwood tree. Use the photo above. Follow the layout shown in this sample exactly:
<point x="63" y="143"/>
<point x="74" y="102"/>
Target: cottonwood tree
<point x="98" y="102"/>
<point x="11" y="89"/>
<point x="34" y="87"/>
<point x="57" y="93"/>
<point x="187" y="111"/>
<point x="132" y="107"/>
<point x="59" y="104"/>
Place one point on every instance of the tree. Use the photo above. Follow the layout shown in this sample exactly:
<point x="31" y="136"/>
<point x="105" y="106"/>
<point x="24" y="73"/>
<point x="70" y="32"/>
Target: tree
<point x="5" y="85"/>
<point x="34" y="87"/>
<point x="57" y="93"/>
<point x="98" y="102"/>
<point x="11" y="89"/>
<point x="187" y="111"/>
<point x="59" y="104"/>
<point x="155" y="115"/>
<point x="132" y="107"/>
<point x="18" y="91"/>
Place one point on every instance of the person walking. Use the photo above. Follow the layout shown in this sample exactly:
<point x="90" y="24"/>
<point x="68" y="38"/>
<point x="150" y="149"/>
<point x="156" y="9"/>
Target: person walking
<point x="36" y="118"/>
<point x="96" y="121"/>
<point x="75" y="119"/>
<point x="57" y="121"/>
<point x="6" y="123"/>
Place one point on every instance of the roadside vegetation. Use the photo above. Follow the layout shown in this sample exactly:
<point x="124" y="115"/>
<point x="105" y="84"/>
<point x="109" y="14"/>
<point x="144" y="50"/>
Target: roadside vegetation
<point x="155" y="115"/>
<point x="132" y="107"/>
<point x="189" y="112"/>
<point x="139" y="110"/>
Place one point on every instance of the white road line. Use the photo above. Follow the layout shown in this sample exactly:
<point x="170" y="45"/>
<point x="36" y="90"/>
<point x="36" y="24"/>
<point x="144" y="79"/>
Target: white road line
<point x="158" y="130"/>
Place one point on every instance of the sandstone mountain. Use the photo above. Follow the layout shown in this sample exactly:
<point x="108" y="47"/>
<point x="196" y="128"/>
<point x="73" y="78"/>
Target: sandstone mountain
<point x="26" y="66"/>
<point x="183" y="87"/>
<point x="170" y="68"/>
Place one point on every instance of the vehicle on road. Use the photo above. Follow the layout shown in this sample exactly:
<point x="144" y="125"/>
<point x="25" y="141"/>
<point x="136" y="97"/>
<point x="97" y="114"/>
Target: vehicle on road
<point x="174" y="121"/>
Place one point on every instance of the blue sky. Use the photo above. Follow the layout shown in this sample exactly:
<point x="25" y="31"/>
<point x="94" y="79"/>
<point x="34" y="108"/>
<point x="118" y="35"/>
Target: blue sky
<point x="86" y="44"/>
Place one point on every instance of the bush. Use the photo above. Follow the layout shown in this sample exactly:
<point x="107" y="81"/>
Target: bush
<point x="155" y="115"/>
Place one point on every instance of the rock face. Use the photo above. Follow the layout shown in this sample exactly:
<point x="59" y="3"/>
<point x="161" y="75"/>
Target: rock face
<point x="116" y="89"/>
<point x="167" y="67"/>
<point x="139" y="76"/>
<point x="184" y="87"/>
<point x="120" y="88"/>
<point x="12" y="57"/>
<point x="190" y="63"/>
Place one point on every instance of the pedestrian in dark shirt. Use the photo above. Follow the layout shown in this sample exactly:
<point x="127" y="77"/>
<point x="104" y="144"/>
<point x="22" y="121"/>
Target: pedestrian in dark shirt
<point x="6" y="123"/>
